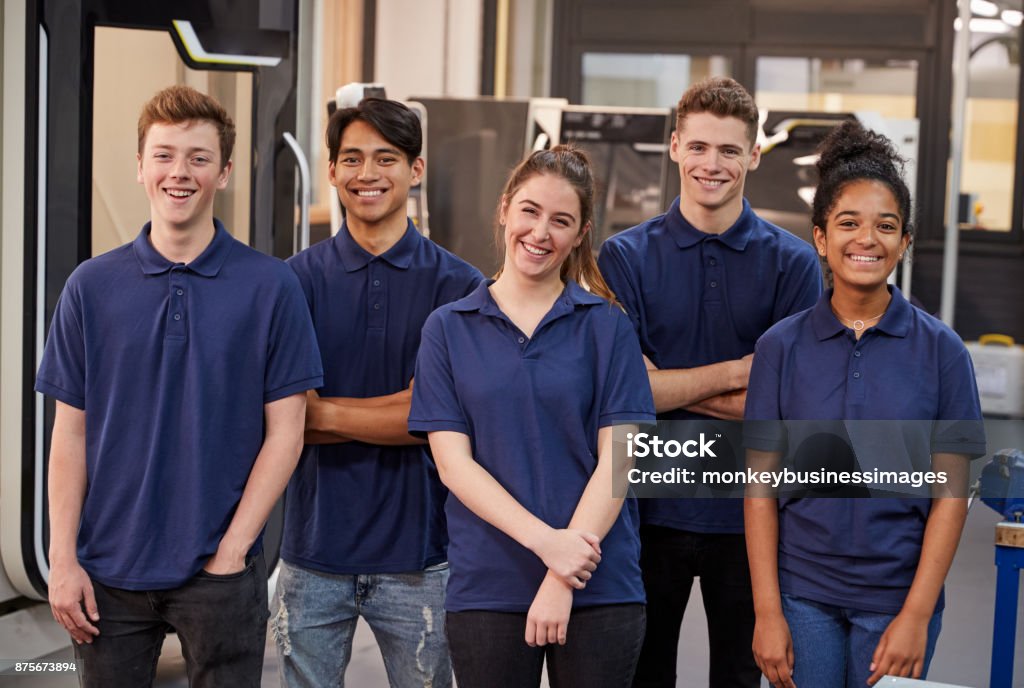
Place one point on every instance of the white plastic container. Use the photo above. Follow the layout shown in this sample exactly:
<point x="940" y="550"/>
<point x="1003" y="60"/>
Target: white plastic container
<point x="999" y="369"/>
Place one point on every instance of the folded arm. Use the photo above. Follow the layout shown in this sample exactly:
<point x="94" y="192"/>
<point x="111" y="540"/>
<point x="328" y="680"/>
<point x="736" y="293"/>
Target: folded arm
<point x="379" y="420"/>
<point x="717" y="390"/>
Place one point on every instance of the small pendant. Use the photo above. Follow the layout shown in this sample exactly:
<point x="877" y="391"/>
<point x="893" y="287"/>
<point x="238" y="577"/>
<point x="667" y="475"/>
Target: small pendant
<point x="858" y="325"/>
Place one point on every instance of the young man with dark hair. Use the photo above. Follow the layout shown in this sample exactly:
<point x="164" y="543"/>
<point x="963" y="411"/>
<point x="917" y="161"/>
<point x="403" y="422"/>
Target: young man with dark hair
<point x="364" y="530"/>
<point x="179" y="363"/>
<point x="701" y="283"/>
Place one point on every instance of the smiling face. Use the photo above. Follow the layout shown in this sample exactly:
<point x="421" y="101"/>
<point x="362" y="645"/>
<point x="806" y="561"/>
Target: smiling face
<point x="541" y="222"/>
<point x="714" y="155"/>
<point x="864" y="236"/>
<point x="180" y="168"/>
<point x="373" y="178"/>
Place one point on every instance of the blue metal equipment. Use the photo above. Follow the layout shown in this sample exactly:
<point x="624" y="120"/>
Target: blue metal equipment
<point x="1002" y="488"/>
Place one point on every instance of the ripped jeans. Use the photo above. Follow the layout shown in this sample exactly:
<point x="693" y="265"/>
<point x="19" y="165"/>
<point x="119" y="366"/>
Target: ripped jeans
<point x="314" y="618"/>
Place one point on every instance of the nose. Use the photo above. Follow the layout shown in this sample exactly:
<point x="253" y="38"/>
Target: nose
<point x="179" y="170"/>
<point x="866" y="235"/>
<point x="368" y="170"/>
<point x="540" y="230"/>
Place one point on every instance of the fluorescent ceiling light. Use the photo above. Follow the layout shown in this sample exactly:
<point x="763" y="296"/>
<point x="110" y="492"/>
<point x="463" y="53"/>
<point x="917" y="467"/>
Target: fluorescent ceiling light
<point x="988" y="26"/>
<point x="1013" y="17"/>
<point x="984" y="8"/>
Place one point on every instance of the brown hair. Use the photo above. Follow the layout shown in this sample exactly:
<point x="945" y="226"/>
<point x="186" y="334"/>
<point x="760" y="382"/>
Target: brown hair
<point x="722" y="97"/>
<point x="571" y="164"/>
<point x="179" y="104"/>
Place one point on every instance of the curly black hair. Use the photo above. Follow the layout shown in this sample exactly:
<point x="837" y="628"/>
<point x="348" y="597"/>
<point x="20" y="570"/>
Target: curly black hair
<point x="850" y="153"/>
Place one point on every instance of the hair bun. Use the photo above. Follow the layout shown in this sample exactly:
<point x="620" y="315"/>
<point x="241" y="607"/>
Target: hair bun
<point x="850" y="142"/>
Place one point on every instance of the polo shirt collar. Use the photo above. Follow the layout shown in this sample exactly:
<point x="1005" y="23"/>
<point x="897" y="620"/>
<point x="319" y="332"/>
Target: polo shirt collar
<point x="480" y="300"/>
<point x="686" y="235"/>
<point x="895" y="322"/>
<point x="355" y="257"/>
<point x="207" y="264"/>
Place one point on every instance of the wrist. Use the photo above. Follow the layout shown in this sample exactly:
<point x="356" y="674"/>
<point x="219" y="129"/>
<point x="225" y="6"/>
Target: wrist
<point x="537" y="536"/>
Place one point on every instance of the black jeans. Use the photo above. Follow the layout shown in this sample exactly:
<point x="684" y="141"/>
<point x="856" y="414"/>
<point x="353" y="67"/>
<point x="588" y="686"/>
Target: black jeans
<point x="489" y="649"/>
<point x="670" y="560"/>
<point x="220" y="620"/>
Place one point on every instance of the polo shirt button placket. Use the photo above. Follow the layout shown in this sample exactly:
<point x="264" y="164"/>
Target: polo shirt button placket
<point x="376" y="295"/>
<point x="176" y="324"/>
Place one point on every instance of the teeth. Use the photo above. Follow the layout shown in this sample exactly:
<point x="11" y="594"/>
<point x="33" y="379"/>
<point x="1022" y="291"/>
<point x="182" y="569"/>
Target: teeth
<point x="369" y="194"/>
<point x="711" y="182"/>
<point x="533" y="250"/>
<point x="865" y="259"/>
<point x="180" y="193"/>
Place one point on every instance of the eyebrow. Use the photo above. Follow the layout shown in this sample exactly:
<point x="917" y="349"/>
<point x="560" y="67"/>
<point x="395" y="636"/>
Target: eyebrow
<point x="195" y="149"/>
<point x="537" y="206"/>
<point x="855" y="213"/>
<point x="353" y="149"/>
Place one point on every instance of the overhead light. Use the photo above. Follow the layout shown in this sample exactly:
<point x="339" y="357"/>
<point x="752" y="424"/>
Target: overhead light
<point x="988" y="26"/>
<point x="1013" y="17"/>
<point x="984" y="8"/>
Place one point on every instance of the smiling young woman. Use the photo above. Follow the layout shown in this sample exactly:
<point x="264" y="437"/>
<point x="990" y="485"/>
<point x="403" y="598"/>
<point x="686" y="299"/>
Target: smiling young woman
<point x="518" y="386"/>
<point x="862" y="353"/>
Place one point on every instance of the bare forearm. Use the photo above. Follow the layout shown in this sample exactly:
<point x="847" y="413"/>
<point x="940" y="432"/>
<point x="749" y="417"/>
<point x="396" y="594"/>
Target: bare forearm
<point x="682" y="387"/>
<point x="270" y="474"/>
<point x="941" y="537"/>
<point x="480" y="492"/>
<point x="761" y="523"/>
<point x="375" y="420"/>
<point x="66" y="482"/>
<point x="598" y="508"/>
<point x="727" y="406"/>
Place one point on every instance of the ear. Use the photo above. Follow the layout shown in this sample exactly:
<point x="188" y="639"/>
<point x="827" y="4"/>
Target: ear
<point x="331" y="167"/>
<point x="582" y="235"/>
<point x="755" y="157"/>
<point x="503" y="212"/>
<point x="418" y="167"/>
<point x="673" y="148"/>
<point x="819" y="240"/>
<point x="138" y="169"/>
<point x="904" y="243"/>
<point x="225" y="174"/>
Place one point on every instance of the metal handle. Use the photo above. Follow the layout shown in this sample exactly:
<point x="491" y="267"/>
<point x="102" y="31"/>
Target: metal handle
<point x="304" y="191"/>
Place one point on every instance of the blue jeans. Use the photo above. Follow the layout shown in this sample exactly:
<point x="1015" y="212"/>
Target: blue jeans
<point x="315" y="615"/>
<point x="833" y="646"/>
<point x="221" y="622"/>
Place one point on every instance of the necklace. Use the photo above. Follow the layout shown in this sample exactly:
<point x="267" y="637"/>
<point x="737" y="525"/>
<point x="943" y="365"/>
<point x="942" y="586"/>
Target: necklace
<point x="857" y="325"/>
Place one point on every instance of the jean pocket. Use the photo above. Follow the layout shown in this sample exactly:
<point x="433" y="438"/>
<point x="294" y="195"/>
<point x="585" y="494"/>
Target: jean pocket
<point x="249" y="564"/>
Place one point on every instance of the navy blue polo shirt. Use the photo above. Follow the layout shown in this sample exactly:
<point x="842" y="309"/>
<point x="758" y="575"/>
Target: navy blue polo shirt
<point x="532" y="407"/>
<point x="697" y="299"/>
<point x="860" y="553"/>
<point x="173" y="364"/>
<point x="354" y="508"/>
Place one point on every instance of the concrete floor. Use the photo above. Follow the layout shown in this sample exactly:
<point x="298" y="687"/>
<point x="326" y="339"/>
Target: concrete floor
<point x="962" y="658"/>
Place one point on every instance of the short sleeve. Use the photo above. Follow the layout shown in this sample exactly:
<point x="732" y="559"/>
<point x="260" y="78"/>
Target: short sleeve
<point x="959" y="428"/>
<point x="762" y="416"/>
<point x="293" y="360"/>
<point x="800" y="285"/>
<point x="626" y="397"/>
<point x="619" y="277"/>
<point x="62" y="370"/>
<point x="435" y="404"/>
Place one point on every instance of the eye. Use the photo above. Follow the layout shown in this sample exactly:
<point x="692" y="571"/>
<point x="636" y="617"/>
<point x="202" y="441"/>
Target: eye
<point x="529" y="210"/>
<point x="732" y="152"/>
<point x="349" y="160"/>
<point x="387" y="160"/>
<point x="162" y="156"/>
<point x="200" y="160"/>
<point x="888" y="227"/>
<point x="563" y="222"/>
<point x="696" y="147"/>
